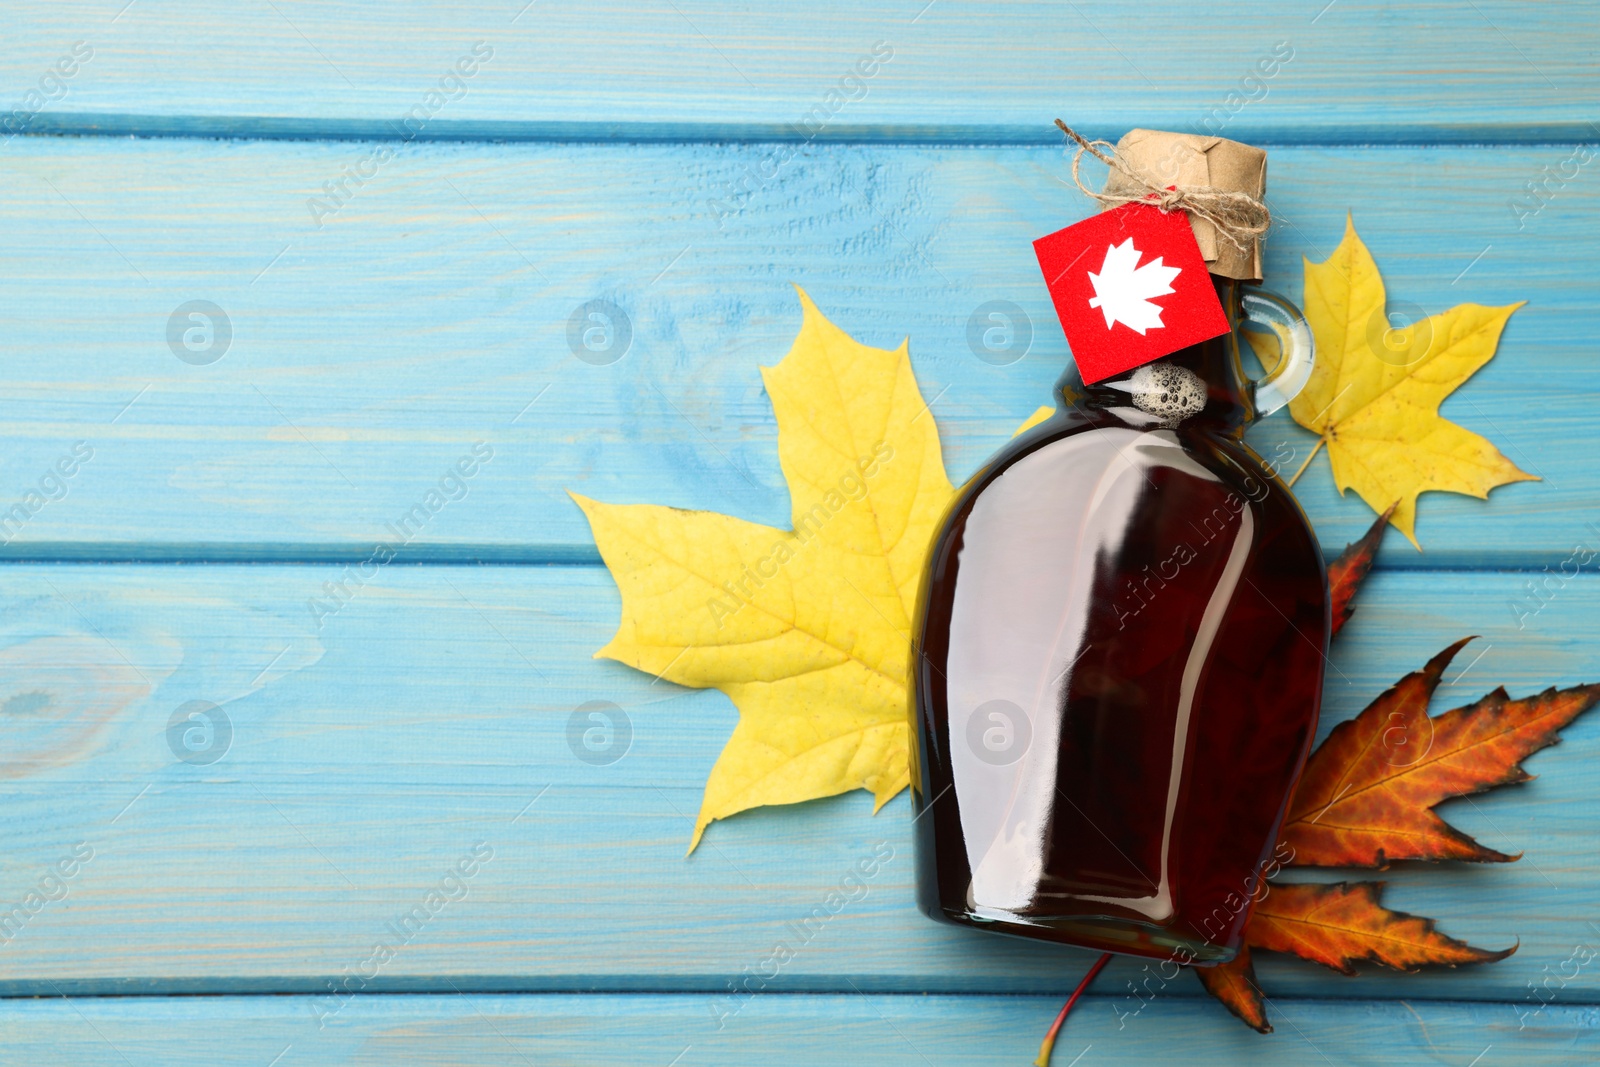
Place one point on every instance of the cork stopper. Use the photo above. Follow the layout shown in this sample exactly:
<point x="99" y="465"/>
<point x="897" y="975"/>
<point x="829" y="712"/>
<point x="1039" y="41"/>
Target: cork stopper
<point x="1188" y="159"/>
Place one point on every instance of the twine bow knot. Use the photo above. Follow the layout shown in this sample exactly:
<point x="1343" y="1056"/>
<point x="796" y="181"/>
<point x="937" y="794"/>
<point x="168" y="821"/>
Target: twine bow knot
<point x="1238" y="217"/>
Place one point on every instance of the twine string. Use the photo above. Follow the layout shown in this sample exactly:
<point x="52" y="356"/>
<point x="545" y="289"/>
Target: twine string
<point x="1238" y="217"/>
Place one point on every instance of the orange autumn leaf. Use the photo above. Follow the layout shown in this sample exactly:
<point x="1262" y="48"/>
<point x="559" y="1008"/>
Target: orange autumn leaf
<point x="1367" y="795"/>
<point x="1367" y="798"/>
<point x="1234" y="983"/>
<point x="1343" y="924"/>
<point x="1346" y="573"/>
<point x="1337" y="926"/>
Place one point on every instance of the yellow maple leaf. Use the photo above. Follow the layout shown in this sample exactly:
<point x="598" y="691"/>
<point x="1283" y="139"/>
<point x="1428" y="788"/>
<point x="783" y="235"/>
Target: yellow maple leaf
<point x="807" y="630"/>
<point x="1374" y="394"/>
<point x="1038" y="416"/>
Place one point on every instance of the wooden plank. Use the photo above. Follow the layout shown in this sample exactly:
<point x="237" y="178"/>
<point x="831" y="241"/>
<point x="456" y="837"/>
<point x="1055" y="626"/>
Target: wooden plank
<point x="434" y="309"/>
<point x="966" y="70"/>
<point x="802" y="1030"/>
<point x="437" y="709"/>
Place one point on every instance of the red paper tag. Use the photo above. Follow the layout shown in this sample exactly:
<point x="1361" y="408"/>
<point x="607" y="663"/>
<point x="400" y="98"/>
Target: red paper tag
<point x="1130" y="285"/>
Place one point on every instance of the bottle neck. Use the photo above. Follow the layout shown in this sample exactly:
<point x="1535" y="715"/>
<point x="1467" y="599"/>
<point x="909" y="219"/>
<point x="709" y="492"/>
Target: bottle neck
<point x="1202" y="384"/>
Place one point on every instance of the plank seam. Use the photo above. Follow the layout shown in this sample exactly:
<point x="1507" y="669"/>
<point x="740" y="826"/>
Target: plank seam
<point x="499" y="556"/>
<point x="451" y="990"/>
<point x="252" y="128"/>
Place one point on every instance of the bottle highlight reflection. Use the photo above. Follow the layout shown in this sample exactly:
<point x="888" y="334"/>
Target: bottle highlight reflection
<point x="1120" y="647"/>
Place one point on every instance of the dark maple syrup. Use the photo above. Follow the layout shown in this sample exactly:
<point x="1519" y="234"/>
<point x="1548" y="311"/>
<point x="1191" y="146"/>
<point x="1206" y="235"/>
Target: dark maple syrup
<point x="1120" y="648"/>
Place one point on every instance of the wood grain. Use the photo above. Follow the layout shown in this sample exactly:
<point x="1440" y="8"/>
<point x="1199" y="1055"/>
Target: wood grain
<point x="687" y="164"/>
<point x="435" y="710"/>
<point x="1360" y="71"/>
<point x="433" y="311"/>
<point x="601" y="1031"/>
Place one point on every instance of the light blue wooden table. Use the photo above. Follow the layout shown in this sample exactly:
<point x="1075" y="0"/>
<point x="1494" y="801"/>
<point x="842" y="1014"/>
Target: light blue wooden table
<point x="399" y="250"/>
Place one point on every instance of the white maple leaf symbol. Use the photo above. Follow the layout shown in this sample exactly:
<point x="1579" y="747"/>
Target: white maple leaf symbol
<point x="1122" y="293"/>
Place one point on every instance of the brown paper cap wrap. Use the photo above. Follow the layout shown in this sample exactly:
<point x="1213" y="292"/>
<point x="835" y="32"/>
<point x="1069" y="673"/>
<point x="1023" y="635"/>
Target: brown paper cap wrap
<point x="1188" y="159"/>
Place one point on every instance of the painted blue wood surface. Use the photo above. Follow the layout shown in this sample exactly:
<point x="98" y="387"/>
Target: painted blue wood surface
<point x="961" y="69"/>
<point x="804" y="1031"/>
<point x="433" y="311"/>
<point x="373" y="345"/>
<point x="433" y="711"/>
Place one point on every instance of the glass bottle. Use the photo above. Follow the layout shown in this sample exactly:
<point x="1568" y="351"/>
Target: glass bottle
<point x="1118" y="664"/>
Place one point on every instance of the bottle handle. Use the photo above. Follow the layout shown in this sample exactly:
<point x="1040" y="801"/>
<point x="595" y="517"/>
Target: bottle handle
<point x="1299" y="350"/>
